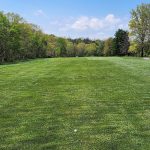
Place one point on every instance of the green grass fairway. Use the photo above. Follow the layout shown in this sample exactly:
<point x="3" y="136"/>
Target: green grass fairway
<point x="75" y="104"/>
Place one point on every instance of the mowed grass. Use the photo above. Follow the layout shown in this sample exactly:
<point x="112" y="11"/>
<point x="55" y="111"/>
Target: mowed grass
<point x="75" y="104"/>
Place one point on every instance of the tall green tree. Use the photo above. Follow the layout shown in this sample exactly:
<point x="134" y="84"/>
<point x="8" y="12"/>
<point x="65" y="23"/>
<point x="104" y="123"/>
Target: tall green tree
<point x="4" y="37"/>
<point x="70" y="49"/>
<point x="108" y="47"/>
<point x="14" y="36"/>
<point x="133" y="49"/>
<point x="51" y="45"/>
<point x="100" y="47"/>
<point x="91" y="49"/>
<point x="61" y="43"/>
<point x="121" y="43"/>
<point x="80" y="49"/>
<point x="140" y="25"/>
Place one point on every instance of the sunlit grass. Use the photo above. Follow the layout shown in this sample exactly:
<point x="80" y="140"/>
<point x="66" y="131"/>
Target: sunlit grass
<point x="75" y="103"/>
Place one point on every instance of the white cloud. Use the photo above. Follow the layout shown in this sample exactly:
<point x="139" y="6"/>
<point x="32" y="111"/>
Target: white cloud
<point x="85" y="26"/>
<point x="40" y="13"/>
<point x="110" y="18"/>
<point x="81" y="23"/>
<point x="123" y="26"/>
<point x="85" y="22"/>
<point x="95" y="23"/>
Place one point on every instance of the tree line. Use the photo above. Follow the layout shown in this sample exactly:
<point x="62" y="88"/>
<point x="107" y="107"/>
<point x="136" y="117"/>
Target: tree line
<point x="20" y="40"/>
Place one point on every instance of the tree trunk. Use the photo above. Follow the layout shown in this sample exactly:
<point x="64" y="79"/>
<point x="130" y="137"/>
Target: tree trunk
<point x="142" y="51"/>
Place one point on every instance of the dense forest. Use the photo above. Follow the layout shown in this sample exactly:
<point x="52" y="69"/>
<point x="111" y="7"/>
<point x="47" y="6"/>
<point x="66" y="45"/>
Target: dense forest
<point x="20" y="40"/>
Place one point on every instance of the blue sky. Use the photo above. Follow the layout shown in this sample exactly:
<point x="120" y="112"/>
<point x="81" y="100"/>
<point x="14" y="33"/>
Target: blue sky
<point x="75" y="18"/>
